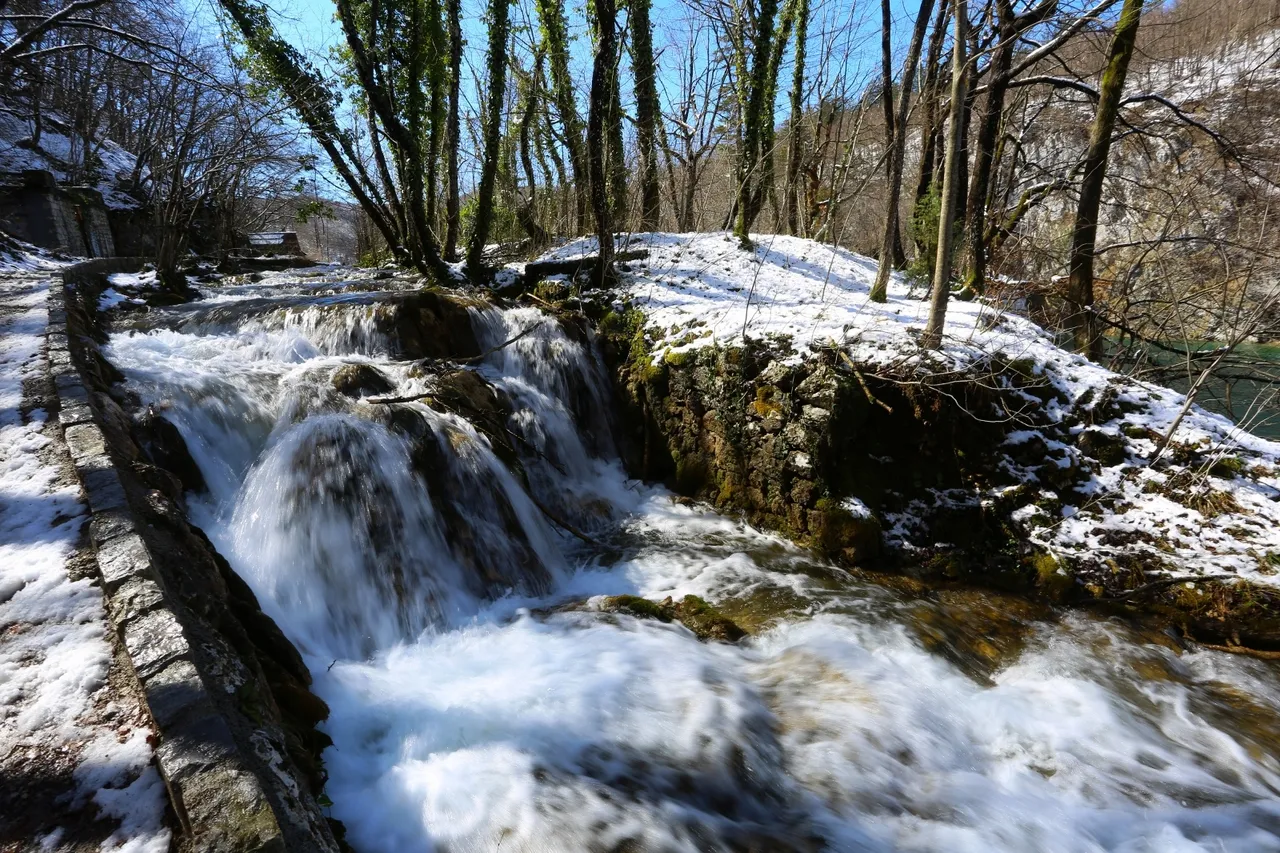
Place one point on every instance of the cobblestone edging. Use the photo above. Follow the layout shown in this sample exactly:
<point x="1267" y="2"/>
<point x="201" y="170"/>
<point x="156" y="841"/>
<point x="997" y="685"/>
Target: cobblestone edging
<point x="218" y="798"/>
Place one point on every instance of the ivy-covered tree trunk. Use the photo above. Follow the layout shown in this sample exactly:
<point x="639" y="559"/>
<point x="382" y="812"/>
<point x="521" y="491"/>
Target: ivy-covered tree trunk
<point x="648" y="114"/>
<point x="758" y="111"/>
<point x="929" y="129"/>
<point x="795" y="146"/>
<point x="527" y="211"/>
<point x="437" y="81"/>
<point x="891" y="245"/>
<point x="498" y="26"/>
<point x="932" y="337"/>
<point x="616" y="153"/>
<point x="602" y="72"/>
<point x="453" y="130"/>
<point x="1083" y="324"/>
<point x="555" y="35"/>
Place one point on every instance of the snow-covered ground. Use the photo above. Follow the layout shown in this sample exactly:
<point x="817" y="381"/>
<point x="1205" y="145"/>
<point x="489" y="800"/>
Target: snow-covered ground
<point x="1216" y="516"/>
<point x="75" y="752"/>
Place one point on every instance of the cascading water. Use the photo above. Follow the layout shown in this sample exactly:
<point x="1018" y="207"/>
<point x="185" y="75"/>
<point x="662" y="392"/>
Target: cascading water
<point x="477" y="705"/>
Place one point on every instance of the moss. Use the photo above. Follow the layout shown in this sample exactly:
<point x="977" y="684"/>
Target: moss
<point x="1052" y="576"/>
<point x="693" y="474"/>
<point x="1228" y="468"/>
<point x="681" y="359"/>
<point x="704" y="620"/>
<point x="766" y="403"/>
<point x="836" y="533"/>
<point x="634" y="605"/>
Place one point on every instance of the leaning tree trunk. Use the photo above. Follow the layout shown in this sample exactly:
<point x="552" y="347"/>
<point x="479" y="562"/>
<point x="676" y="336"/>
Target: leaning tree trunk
<point x="898" y="141"/>
<point x="932" y="338"/>
<point x="647" y="114"/>
<point x="929" y="110"/>
<point x="1082" y="321"/>
<point x="602" y="75"/>
<point x="498" y="10"/>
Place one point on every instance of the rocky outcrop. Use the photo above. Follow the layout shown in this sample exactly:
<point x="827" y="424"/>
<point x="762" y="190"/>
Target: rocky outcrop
<point x="944" y="477"/>
<point x="229" y="694"/>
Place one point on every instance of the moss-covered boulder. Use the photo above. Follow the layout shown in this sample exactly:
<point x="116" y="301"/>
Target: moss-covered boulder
<point x="361" y="380"/>
<point x="704" y="620"/>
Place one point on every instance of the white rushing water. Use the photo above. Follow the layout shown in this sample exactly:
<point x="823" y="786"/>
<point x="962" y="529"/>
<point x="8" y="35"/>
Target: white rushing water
<point x="478" y="705"/>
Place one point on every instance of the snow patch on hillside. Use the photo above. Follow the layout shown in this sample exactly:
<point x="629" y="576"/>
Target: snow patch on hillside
<point x="59" y="149"/>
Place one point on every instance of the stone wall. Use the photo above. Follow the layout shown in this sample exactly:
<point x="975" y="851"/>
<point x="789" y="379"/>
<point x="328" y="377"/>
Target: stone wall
<point x="73" y="220"/>
<point x="238" y="750"/>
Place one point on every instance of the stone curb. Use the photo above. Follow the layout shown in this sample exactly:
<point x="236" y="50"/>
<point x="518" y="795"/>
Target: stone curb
<point x="218" y="799"/>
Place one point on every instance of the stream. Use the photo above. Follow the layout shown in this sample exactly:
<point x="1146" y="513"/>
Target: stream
<point x="481" y="701"/>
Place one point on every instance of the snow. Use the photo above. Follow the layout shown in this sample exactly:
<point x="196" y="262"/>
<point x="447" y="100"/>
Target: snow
<point x="696" y="290"/>
<point x="56" y="154"/>
<point x="138" y="280"/>
<point x="57" y="707"/>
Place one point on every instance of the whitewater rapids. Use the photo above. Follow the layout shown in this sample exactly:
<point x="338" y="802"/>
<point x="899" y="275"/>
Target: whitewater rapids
<point x="511" y="715"/>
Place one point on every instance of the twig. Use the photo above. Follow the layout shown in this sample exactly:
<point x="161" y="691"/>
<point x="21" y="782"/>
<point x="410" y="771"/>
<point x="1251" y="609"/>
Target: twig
<point x="862" y="381"/>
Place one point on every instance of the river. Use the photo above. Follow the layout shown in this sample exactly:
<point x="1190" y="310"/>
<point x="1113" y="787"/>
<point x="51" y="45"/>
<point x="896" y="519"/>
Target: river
<point x="481" y="701"/>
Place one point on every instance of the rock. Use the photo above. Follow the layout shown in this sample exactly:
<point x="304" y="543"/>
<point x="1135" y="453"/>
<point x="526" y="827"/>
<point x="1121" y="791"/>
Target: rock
<point x="468" y="394"/>
<point x="361" y="380"/>
<point x="704" y="620"/>
<point x="166" y="447"/>
<point x="1108" y="449"/>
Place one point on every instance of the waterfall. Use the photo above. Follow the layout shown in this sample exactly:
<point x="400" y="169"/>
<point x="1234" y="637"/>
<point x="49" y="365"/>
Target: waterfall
<point x="481" y="699"/>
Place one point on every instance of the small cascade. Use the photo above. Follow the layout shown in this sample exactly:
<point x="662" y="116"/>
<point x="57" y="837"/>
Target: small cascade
<point x="334" y="528"/>
<point x="562" y="409"/>
<point x="410" y="532"/>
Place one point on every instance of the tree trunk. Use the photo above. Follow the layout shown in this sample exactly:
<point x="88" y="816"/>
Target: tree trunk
<point x="897" y="151"/>
<point x="757" y="112"/>
<point x="453" y="202"/>
<point x="498" y="11"/>
<point x="555" y="35"/>
<point x="602" y="73"/>
<point x="1082" y="322"/>
<point x="932" y="337"/>
<point x="796" y="145"/>
<point x="1010" y="27"/>
<point x="929" y="108"/>
<point x="648" y="112"/>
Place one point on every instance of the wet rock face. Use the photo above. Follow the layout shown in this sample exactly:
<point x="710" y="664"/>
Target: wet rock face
<point x="704" y="620"/>
<point x="430" y="324"/>
<point x="361" y="380"/>
<point x="165" y="446"/>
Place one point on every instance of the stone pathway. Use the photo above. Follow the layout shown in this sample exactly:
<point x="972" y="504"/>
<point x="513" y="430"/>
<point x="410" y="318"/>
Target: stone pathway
<point x="75" y="741"/>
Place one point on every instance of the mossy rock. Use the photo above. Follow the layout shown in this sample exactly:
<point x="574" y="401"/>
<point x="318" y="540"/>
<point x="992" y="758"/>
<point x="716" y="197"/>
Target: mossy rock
<point x="835" y="532"/>
<point x="361" y="380"/>
<point x="1108" y="449"/>
<point x="1228" y="468"/>
<point x="704" y="620"/>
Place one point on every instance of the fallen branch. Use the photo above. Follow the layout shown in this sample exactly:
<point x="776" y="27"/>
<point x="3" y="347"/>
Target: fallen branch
<point x="862" y="381"/>
<point x="575" y="266"/>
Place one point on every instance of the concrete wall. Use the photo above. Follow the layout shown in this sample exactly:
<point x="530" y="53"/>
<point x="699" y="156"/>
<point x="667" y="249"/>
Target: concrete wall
<point x="73" y="220"/>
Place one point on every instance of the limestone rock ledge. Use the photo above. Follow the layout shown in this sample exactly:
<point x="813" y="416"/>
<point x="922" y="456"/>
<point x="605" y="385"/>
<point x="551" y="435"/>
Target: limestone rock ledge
<point x="995" y="476"/>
